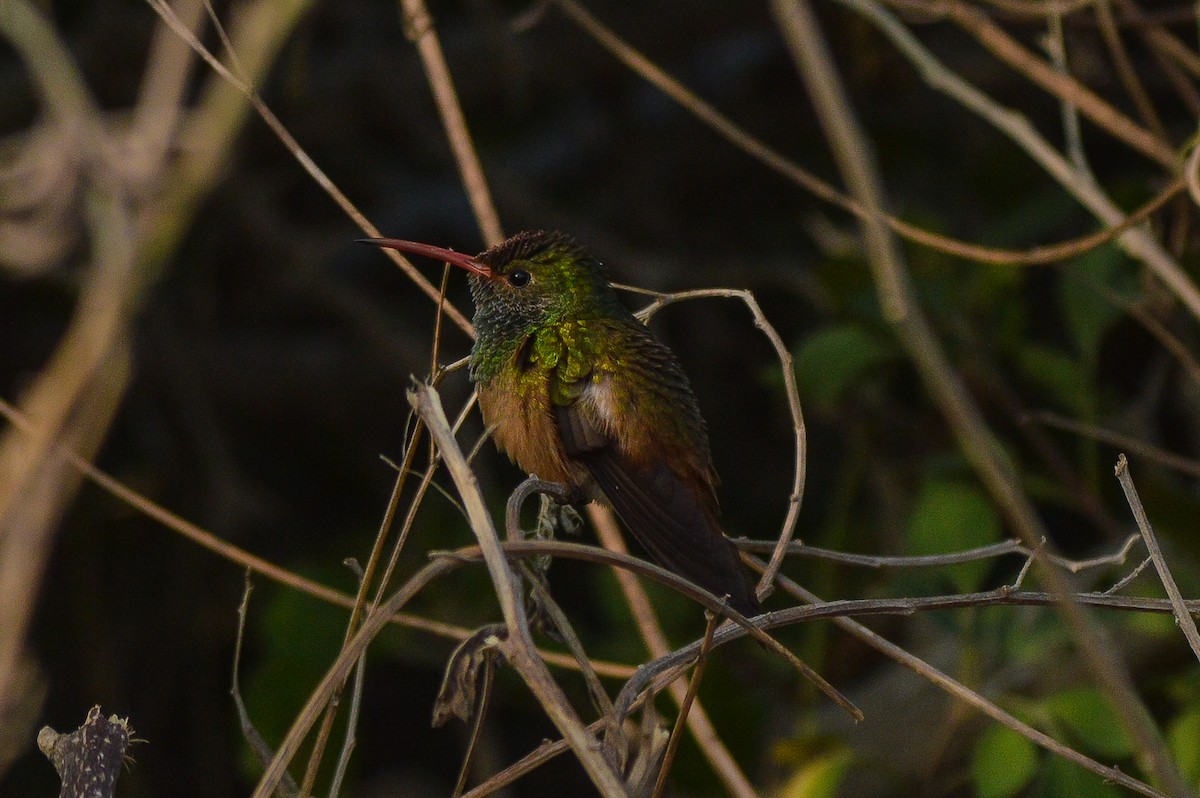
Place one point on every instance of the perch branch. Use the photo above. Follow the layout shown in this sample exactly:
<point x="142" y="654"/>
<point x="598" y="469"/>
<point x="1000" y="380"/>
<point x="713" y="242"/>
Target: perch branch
<point x="519" y="648"/>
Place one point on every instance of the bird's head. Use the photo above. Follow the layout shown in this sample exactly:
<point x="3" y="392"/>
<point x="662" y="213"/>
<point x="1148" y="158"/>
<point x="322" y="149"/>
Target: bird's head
<point x="530" y="279"/>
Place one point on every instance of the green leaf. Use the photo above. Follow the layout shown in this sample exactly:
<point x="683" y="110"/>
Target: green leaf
<point x="1089" y="314"/>
<point x="951" y="516"/>
<point x="1003" y="763"/>
<point x="1059" y="375"/>
<point x="1182" y="735"/>
<point x="830" y="361"/>
<point x="819" y="777"/>
<point x="297" y="637"/>
<point x="1090" y="718"/>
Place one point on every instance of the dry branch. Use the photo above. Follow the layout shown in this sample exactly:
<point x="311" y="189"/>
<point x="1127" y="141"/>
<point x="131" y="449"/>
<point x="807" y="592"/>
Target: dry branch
<point x="1182" y="617"/>
<point x="518" y="647"/>
<point x="244" y="559"/>
<point x="857" y="164"/>
<point x="89" y="759"/>
<point x="781" y="164"/>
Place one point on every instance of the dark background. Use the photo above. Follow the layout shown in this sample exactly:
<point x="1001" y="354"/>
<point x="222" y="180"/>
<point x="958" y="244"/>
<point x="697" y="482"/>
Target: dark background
<point x="272" y="356"/>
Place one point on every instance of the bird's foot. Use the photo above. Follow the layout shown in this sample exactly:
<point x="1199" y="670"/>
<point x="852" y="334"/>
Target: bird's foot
<point x="556" y="512"/>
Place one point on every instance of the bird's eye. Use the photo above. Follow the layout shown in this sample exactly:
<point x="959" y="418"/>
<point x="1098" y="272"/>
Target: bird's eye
<point x="519" y="278"/>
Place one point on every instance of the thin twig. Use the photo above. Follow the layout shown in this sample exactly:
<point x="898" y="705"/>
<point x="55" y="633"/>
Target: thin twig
<point x="1151" y="324"/>
<point x="518" y="646"/>
<point x="1149" y="451"/>
<point x="1057" y="47"/>
<point x="1182" y="617"/>
<point x="777" y="162"/>
<point x="389" y="517"/>
<point x="1126" y="71"/>
<point x="710" y="626"/>
<point x="244" y="559"/>
<point x="788" y="370"/>
<point x="351" y="741"/>
<point x="987" y="552"/>
<point x="1125" y="580"/>
<point x="856" y="162"/>
<point x="254" y="739"/>
<point x="419" y="27"/>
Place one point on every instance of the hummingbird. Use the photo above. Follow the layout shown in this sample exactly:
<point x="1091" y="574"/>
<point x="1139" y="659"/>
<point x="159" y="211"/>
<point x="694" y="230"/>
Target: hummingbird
<point x="578" y="391"/>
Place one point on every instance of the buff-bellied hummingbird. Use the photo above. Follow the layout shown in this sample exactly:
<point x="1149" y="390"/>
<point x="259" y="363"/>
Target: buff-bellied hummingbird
<point x="577" y="391"/>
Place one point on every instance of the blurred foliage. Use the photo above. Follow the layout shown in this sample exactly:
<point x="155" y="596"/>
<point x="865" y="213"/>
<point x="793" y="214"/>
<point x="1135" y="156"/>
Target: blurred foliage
<point x="272" y="356"/>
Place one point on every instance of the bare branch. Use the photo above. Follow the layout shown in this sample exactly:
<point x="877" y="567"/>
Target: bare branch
<point x="167" y="222"/>
<point x="270" y="570"/>
<point x="519" y="648"/>
<point x="418" y="25"/>
<point x="777" y="162"/>
<point x="1150" y="452"/>
<point x="987" y="552"/>
<point x="1182" y="617"/>
<point x="856" y="162"/>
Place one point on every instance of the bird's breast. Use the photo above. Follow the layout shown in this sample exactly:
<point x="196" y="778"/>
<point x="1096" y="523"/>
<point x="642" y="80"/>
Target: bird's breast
<point x="516" y="408"/>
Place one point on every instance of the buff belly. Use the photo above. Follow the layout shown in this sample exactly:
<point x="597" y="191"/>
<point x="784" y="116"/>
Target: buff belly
<point x="524" y="427"/>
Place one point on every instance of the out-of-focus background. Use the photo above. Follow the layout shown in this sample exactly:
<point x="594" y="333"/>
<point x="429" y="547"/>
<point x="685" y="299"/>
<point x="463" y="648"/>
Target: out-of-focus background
<point x="183" y="305"/>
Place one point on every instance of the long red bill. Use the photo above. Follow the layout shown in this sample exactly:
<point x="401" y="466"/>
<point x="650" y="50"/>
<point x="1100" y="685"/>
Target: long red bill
<point x="459" y="259"/>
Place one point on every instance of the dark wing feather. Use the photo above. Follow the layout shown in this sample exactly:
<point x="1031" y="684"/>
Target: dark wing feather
<point x="660" y="510"/>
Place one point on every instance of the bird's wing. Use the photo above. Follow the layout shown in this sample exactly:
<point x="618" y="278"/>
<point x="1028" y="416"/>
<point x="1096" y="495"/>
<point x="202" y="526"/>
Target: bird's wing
<point x="638" y="440"/>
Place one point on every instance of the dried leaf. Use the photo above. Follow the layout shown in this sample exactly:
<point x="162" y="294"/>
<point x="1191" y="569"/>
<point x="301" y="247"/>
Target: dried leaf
<point x="465" y="671"/>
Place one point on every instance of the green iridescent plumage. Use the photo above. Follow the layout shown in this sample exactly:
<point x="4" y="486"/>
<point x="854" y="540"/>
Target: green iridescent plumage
<point x="576" y="390"/>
